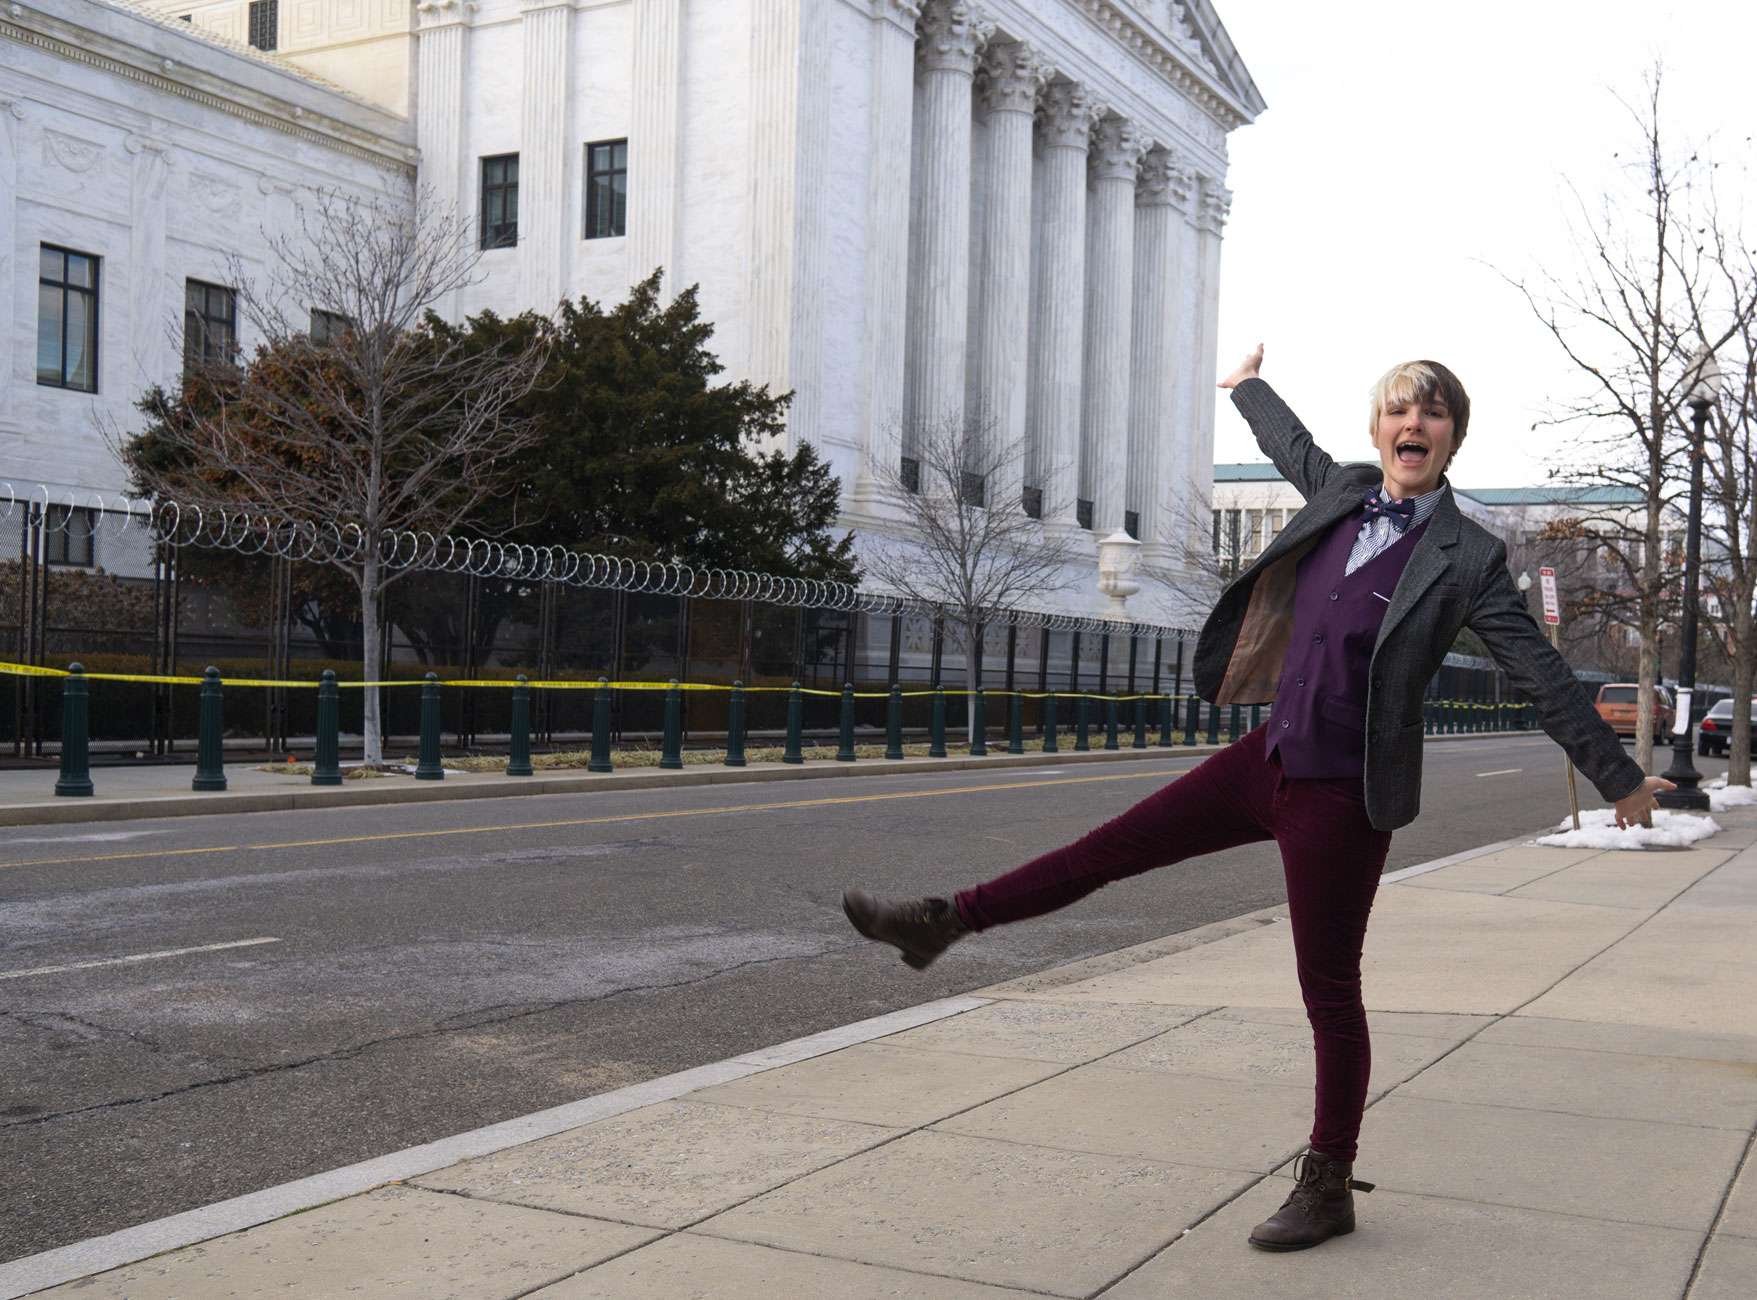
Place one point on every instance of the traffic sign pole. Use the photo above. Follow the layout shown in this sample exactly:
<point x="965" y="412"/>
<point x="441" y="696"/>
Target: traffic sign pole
<point x="1552" y="614"/>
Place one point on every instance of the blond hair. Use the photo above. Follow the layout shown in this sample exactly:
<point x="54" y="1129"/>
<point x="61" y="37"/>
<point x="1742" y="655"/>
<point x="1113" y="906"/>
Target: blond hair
<point x="1422" y="381"/>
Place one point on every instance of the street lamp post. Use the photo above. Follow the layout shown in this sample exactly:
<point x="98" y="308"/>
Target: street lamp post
<point x="1682" y="772"/>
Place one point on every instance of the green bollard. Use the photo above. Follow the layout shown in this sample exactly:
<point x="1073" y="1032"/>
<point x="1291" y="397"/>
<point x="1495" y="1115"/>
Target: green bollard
<point x="1213" y="724"/>
<point x="936" y="735"/>
<point x="671" y="745"/>
<point x="1016" y="724"/>
<point x="518" y="748"/>
<point x="1050" y="744"/>
<point x="1081" y="744"/>
<point x="1427" y="718"/>
<point x="326" y="768"/>
<point x="1256" y="716"/>
<point x="894" y="723"/>
<point x="735" y="727"/>
<point x="845" y="752"/>
<point x="1232" y="721"/>
<point x="978" y="725"/>
<point x="794" y="753"/>
<point x="429" y="768"/>
<point x="1140" y="722"/>
<point x="1192" y="718"/>
<point x="76" y="775"/>
<point x="600" y="760"/>
<point x="1112" y="707"/>
<point x="1166" y="722"/>
<point x="210" y="749"/>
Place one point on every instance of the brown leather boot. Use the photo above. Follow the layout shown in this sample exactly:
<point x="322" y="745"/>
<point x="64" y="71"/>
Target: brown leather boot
<point x="923" y="927"/>
<point x="1320" y="1207"/>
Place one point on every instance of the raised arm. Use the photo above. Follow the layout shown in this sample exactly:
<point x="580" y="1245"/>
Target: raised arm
<point x="1278" y="430"/>
<point x="1500" y="618"/>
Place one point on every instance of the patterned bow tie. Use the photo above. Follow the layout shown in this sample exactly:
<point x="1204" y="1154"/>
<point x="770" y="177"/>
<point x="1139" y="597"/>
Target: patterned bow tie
<point x="1400" y="513"/>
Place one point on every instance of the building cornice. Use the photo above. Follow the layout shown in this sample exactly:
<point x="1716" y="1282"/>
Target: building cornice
<point x="157" y="70"/>
<point x="1179" y="62"/>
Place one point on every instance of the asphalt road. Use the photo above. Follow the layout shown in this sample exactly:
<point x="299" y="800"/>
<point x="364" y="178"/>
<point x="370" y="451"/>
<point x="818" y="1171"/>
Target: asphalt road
<point x="429" y="969"/>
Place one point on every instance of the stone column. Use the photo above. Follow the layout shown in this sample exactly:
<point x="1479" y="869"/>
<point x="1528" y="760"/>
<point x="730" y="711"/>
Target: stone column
<point x="1161" y="199"/>
<point x="891" y="98"/>
<point x="1059" y="306"/>
<point x="1011" y="77"/>
<point x="153" y="325"/>
<point x="12" y="114"/>
<point x="952" y="32"/>
<point x="443" y="178"/>
<point x="1117" y="147"/>
<point x="1215" y="204"/>
<point x="653" y="141"/>
<point x="542" y="157"/>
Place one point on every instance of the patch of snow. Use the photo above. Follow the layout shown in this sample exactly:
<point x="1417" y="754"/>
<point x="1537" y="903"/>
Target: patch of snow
<point x="1722" y="796"/>
<point x="1598" y="830"/>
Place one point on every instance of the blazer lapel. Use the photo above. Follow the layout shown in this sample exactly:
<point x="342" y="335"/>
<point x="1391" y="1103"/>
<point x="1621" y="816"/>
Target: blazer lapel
<point x="1431" y="559"/>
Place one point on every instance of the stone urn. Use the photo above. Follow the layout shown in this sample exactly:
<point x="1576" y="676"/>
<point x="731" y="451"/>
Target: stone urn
<point x="1119" y="556"/>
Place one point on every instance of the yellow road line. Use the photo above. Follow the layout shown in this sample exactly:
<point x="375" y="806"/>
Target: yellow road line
<point x="591" y="821"/>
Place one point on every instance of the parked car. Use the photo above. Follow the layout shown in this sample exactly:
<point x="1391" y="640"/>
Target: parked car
<point x="1616" y="705"/>
<point x="1714" y="732"/>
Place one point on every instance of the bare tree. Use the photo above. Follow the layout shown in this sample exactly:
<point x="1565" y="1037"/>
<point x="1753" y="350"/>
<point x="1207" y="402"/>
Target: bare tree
<point x="967" y="547"/>
<point x="1626" y="320"/>
<point x="351" y="412"/>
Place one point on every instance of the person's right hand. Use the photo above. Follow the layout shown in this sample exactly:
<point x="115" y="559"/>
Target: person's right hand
<point x="1247" y="369"/>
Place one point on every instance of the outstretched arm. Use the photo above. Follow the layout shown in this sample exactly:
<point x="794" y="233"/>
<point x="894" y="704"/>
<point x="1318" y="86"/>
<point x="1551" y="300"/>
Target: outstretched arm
<point x="1278" y="430"/>
<point x="1534" y="666"/>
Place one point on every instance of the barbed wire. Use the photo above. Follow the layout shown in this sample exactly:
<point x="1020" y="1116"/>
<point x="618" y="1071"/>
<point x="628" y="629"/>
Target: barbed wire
<point x="230" y="527"/>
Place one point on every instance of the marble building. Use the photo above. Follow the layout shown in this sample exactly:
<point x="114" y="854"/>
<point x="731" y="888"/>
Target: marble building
<point x="899" y="211"/>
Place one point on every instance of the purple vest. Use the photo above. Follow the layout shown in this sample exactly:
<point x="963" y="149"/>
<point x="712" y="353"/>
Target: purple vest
<point x="1319" y="719"/>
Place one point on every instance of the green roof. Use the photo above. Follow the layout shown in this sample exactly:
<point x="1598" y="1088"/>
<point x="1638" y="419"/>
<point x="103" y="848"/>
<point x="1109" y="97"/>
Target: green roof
<point x="1246" y="473"/>
<point x="1556" y="494"/>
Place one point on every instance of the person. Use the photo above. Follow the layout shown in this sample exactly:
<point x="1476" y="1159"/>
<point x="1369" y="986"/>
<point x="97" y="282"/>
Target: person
<point x="1340" y="625"/>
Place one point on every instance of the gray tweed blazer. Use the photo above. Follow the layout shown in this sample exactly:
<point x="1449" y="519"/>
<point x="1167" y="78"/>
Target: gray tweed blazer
<point x="1456" y="578"/>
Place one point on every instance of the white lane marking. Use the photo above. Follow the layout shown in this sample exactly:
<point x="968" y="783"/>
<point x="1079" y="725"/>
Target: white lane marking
<point x="139" y="956"/>
<point x="98" y="837"/>
<point x="1502" y="771"/>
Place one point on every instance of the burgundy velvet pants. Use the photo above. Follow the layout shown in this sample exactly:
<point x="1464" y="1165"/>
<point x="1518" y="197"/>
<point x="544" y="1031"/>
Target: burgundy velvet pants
<point x="1332" y="858"/>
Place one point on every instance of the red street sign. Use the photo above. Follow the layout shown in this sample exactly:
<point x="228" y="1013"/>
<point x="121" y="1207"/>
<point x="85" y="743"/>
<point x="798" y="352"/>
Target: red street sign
<point x="1552" y="608"/>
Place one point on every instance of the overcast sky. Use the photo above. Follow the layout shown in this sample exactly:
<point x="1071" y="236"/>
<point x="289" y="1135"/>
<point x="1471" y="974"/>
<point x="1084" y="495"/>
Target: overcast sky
<point x="1411" y="151"/>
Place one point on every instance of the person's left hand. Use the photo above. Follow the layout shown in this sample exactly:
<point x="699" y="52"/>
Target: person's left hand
<point x="1637" y="806"/>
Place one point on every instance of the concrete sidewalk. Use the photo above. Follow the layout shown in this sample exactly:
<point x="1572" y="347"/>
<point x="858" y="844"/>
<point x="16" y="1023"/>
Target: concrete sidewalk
<point x="1563" y="1105"/>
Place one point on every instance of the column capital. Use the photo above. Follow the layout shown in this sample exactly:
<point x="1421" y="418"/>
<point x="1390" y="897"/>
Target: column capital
<point x="1166" y="178"/>
<point x="1215" y="206"/>
<point x="1011" y="76"/>
<point x="1067" y="115"/>
<point x="899" y="13"/>
<point x="1118" y="146"/>
<point x="952" y="33"/>
<point x="443" y="13"/>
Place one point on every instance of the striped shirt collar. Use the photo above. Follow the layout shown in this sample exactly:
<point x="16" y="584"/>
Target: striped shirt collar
<point x="1424" y="504"/>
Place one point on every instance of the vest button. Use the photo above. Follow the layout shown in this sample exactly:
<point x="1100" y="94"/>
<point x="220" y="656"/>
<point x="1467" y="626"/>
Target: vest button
<point x="1332" y="595"/>
<point x="1284" y="724"/>
<point x="1299" y="681"/>
<point x="1317" y="638"/>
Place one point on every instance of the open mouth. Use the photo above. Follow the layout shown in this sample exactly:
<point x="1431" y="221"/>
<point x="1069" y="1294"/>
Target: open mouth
<point x="1411" y="453"/>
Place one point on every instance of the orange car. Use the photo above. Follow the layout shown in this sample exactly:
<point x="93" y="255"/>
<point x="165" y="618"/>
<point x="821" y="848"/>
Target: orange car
<point x="1616" y="705"/>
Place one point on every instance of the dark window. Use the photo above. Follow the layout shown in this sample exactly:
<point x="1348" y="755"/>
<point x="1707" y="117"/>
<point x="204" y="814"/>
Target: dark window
<point x="1132" y="523"/>
<point x="1617" y="695"/>
<point x="1032" y="501"/>
<point x="500" y="201"/>
<point x="974" y="489"/>
<point x="67" y="319"/>
<point x="1217" y="532"/>
<point x="210" y="323"/>
<point x="265" y="24"/>
<point x="911" y="474"/>
<point x="68" y="533"/>
<point x="327" y="327"/>
<point x="606" y="189"/>
<point x="1083" y="514"/>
